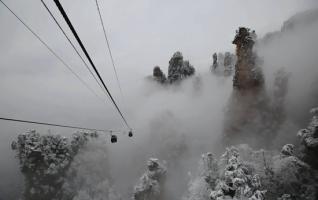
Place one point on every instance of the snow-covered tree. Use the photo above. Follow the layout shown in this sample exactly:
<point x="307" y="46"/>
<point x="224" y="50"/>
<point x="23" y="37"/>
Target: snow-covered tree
<point x="237" y="179"/>
<point x="243" y="173"/>
<point x="200" y="185"/>
<point x="158" y="75"/>
<point x="178" y="68"/>
<point x="227" y="178"/>
<point x="45" y="161"/>
<point x="150" y="186"/>
<point x="309" y="140"/>
<point x="291" y="176"/>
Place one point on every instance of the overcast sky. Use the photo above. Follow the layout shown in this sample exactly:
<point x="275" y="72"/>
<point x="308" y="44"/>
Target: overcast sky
<point x="143" y="33"/>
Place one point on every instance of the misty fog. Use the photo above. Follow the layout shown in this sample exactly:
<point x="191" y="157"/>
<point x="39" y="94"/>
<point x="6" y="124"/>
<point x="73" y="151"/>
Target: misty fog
<point x="174" y="123"/>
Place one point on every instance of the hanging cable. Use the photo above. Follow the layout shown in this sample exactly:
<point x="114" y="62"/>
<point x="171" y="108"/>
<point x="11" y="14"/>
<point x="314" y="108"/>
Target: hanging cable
<point x="52" y="51"/>
<point x="61" y="9"/>
<point x="73" y="46"/>
<point x="56" y="125"/>
<point x="109" y="49"/>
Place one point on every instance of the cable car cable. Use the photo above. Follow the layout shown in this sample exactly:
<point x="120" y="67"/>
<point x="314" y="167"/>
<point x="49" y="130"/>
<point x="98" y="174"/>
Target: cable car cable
<point x="56" y="125"/>
<point x="109" y="49"/>
<point x="61" y="9"/>
<point x="52" y="51"/>
<point x="71" y="43"/>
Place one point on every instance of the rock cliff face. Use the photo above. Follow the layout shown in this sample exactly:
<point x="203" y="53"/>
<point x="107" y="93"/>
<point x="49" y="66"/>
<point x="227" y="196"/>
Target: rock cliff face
<point x="247" y="74"/>
<point x="248" y="118"/>
<point x="229" y="60"/>
<point x="297" y="22"/>
<point x="215" y="61"/>
<point x="178" y="70"/>
<point x="253" y="115"/>
<point x="280" y="90"/>
<point x="223" y="64"/>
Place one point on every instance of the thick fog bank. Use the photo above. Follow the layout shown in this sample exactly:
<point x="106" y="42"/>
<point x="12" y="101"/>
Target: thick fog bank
<point x="175" y="123"/>
<point x="293" y="49"/>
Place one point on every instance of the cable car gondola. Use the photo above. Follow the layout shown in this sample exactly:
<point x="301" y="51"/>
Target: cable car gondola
<point x="130" y="133"/>
<point x="113" y="139"/>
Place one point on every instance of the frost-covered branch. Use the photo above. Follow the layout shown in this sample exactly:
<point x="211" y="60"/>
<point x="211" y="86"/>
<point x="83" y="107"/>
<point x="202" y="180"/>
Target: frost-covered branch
<point x="243" y="173"/>
<point x="150" y="185"/>
<point x="45" y="159"/>
<point x="309" y="140"/>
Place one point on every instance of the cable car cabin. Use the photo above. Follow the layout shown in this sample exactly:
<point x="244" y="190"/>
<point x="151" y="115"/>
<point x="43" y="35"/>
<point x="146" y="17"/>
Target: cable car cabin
<point x="130" y="134"/>
<point x="113" y="139"/>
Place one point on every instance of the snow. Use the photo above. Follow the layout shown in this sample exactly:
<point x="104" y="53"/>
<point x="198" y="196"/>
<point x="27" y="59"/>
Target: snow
<point x="309" y="140"/>
<point x="150" y="185"/>
<point x="45" y="161"/>
<point x="178" y="68"/>
<point x="243" y="173"/>
<point x="236" y="180"/>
